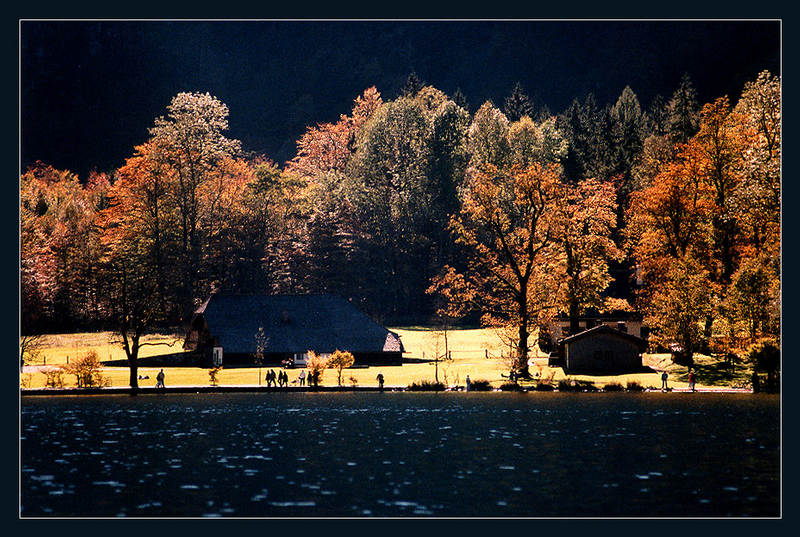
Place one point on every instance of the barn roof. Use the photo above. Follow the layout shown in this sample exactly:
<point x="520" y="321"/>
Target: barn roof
<point x="294" y="323"/>
<point x="603" y="328"/>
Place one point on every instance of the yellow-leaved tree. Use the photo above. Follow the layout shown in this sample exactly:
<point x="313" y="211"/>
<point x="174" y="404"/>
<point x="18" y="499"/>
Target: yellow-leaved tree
<point x="338" y="361"/>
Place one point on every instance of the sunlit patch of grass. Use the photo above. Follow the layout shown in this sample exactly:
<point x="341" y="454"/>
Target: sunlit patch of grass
<point x="470" y="348"/>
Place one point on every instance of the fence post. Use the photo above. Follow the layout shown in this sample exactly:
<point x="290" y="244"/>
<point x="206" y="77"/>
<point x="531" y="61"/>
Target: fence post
<point x="68" y="359"/>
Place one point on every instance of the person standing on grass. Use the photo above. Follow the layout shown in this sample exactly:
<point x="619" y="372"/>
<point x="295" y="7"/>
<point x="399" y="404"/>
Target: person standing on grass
<point x="380" y="380"/>
<point x="691" y="379"/>
<point x="469" y="383"/>
<point x="160" y="379"/>
<point x="302" y="377"/>
<point x="664" y="380"/>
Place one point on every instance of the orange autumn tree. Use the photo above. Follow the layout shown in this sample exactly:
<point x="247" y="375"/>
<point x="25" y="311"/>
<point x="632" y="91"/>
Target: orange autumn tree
<point x="140" y="237"/>
<point x="59" y="248"/>
<point x="193" y="142"/>
<point x="717" y="148"/>
<point x="586" y="217"/>
<point x="507" y="225"/>
<point x="143" y="201"/>
<point x="328" y="146"/>
<point x="669" y="232"/>
<point x="715" y="210"/>
<point x="454" y="298"/>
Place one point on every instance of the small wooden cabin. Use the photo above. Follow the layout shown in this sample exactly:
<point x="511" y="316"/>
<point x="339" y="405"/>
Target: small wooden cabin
<point x="224" y="330"/>
<point x="602" y="349"/>
<point x="630" y="323"/>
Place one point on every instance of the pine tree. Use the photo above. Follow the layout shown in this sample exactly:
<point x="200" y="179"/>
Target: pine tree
<point x="412" y="86"/>
<point x="460" y="99"/>
<point x="683" y="112"/>
<point x="656" y="118"/>
<point x="518" y="104"/>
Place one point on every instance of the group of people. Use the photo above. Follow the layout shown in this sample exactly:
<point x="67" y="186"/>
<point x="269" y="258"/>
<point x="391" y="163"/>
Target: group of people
<point x="692" y="380"/>
<point x="280" y="379"/>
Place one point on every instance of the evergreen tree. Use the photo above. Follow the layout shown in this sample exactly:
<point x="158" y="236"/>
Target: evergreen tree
<point x="683" y="112"/>
<point x="518" y="104"/>
<point x="544" y="113"/>
<point x="413" y="85"/>
<point x="628" y="127"/>
<point x="460" y="99"/>
<point x="656" y="117"/>
<point x="588" y="130"/>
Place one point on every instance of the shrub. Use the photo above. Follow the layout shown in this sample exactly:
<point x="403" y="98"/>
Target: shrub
<point x="316" y="367"/>
<point x="212" y="375"/>
<point x="634" y="386"/>
<point x="585" y="386"/>
<point x="426" y="386"/>
<point x="25" y="380"/>
<point x="543" y="387"/>
<point x="565" y="385"/>
<point x="87" y="371"/>
<point x="510" y="387"/>
<point x="612" y="387"/>
<point x="353" y="381"/>
<point x="480" y="385"/>
<point x="54" y="377"/>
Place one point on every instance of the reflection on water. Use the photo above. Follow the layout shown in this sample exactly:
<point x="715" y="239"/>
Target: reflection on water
<point x="401" y="454"/>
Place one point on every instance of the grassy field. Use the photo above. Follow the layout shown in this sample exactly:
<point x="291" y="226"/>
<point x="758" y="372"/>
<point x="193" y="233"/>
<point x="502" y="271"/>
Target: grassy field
<point x="470" y="349"/>
<point x="56" y="349"/>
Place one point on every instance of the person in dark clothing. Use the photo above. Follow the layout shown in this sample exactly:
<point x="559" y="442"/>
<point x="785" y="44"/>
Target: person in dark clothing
<point x="160" y="379"/>
<point x="380" y="380"/>
<point x="664" y="380"/>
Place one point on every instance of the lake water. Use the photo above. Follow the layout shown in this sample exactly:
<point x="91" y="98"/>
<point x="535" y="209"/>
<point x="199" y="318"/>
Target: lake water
<point x="401" y="454"/>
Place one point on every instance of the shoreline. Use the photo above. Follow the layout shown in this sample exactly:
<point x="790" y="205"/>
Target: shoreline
<point x="149" y="390"/>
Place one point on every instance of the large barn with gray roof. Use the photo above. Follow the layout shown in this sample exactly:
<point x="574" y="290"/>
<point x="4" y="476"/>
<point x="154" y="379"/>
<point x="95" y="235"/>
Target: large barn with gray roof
<point x="223" y="330"/>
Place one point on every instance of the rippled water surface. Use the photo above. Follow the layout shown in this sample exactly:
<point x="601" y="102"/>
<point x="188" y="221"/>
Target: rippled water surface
<point x="401" y="454"/>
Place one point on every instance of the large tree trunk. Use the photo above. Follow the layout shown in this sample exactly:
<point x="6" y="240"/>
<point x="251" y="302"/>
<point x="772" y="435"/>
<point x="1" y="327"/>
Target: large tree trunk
<point x="574" y="321"/>
<point x="134" y="373"/>
<point x="132" y="353"/>
<point x="522" y="347"/>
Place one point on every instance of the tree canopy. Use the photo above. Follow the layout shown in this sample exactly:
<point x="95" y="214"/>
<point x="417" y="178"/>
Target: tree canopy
<point x="413" y="207"/>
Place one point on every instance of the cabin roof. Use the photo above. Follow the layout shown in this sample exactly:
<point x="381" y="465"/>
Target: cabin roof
<point x="605" y="329"/>
<point x="294" y="323"/>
